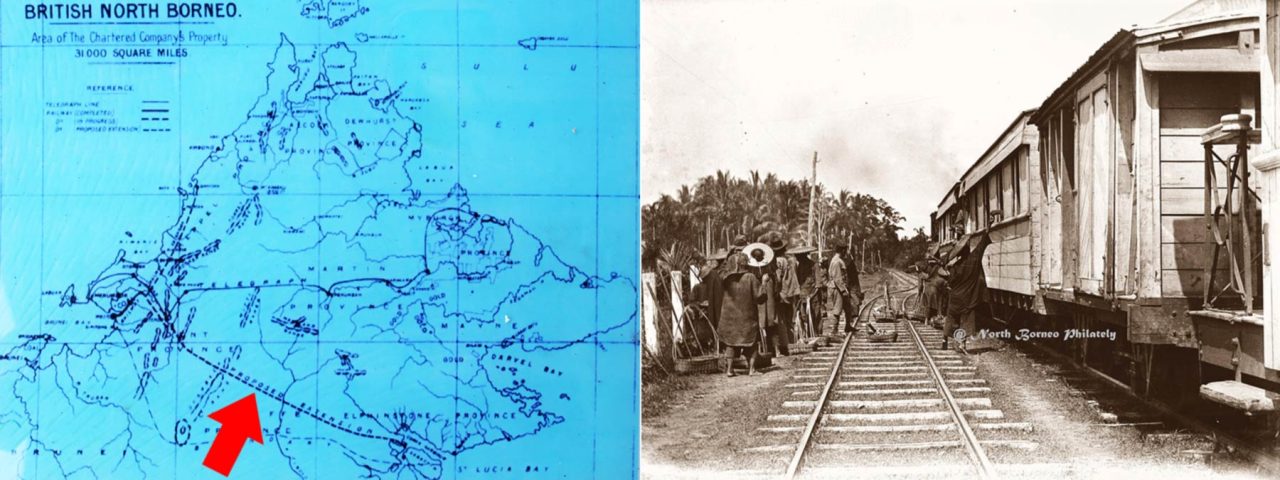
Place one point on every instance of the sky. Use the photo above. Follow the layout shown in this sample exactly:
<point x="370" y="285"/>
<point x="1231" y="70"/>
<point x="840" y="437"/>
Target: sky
<point x="898" y="97"/>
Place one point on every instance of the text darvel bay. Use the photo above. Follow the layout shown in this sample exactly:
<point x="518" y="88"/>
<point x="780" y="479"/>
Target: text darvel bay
<point x="129" y="11"/>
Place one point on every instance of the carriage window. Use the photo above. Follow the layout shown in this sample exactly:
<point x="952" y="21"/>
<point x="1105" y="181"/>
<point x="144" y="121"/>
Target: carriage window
<point x="1067" y="147"/>
<point x="995" y="202"/>
<point x="979" y="205"/>
<point x="1007" y="202"/>
<point x="1019" y="174"/>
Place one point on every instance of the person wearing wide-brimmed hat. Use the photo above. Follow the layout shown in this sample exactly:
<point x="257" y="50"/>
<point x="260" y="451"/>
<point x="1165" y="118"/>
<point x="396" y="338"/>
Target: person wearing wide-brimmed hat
<point x="740" y="320"/>
<point x="764" y="262"/>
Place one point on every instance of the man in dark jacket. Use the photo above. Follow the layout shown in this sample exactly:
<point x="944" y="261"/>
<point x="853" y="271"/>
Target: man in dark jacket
<point x="967" y="285"/>
<point x="934" y="288"/>
<point x="816" y="284"/>
<point x="855" y="291"/>
<point x="709" y="288"/>
<point x="740" y="319"/>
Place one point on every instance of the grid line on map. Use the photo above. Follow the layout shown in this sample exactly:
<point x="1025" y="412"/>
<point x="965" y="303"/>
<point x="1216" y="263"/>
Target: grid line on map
<point x="177" y="356"/>
<point x="457" y="169"/>
<point x="595" y="371"/>
<point x="362" y="45"/>
<point x="549" y="343"/>
<point x="39" y="299"/>
<point x="315" y="422"/>
<point x="320" y="194"/>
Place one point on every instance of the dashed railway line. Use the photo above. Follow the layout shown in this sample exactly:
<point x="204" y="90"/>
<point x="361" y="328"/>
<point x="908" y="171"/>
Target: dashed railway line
<point x="889" y="405"/>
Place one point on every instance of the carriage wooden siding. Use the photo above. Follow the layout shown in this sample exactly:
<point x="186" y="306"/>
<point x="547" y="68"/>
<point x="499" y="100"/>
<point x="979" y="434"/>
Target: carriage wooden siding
<point x="1101" y="187"/>
<point x="1190" y="103"/>
<point x="1001" y="182"/>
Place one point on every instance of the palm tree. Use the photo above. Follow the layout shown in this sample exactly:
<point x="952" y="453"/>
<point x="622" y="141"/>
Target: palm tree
<point x="758" y="206"/>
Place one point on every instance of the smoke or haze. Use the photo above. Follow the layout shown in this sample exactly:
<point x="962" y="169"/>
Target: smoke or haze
<point x="898" y="97"/>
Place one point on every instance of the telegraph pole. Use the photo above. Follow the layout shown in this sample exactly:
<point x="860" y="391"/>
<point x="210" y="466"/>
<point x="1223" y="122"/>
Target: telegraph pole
<point x="706" y="240"/>
<point x="864" y="254"/>
<point x="813" y="194"/>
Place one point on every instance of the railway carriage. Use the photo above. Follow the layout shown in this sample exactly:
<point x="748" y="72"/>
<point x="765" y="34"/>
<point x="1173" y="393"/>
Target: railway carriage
<point x="1127" y="202"/>
<point x="1000" y="182"/>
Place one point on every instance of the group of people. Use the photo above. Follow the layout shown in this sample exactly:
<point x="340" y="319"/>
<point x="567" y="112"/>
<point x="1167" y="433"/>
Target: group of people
<point x="755" y="296"/>
<point x="758" y="296"/>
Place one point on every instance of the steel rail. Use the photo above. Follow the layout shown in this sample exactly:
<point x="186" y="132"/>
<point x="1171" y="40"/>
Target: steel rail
<point x="888" y="300"/>
<point x="976" y="453"/>
<point x="811" y="427"/>
<point x="913" y="283"/>
<point x="806" y="439"/>
<point x="973" y="447"/>
<point x="1258" y="455"/>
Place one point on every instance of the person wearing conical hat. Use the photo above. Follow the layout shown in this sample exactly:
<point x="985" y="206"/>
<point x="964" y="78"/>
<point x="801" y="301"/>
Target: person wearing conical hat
<point x="740" y="320"/>
<point x="761" y="258"/>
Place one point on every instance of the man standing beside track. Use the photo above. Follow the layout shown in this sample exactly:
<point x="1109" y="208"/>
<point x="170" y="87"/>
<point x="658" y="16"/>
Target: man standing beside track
<point x="855" y="291"/>
<point x="933" y="287"/>
<point x="838" y="292"/>
<point x="818" y="294"/>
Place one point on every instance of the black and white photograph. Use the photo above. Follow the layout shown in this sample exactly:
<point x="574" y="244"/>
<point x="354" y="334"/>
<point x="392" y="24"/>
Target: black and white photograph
<point x="984" y="239"/>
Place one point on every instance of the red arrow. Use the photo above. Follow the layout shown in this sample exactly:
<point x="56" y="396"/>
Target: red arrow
<point x="239" y="424"/>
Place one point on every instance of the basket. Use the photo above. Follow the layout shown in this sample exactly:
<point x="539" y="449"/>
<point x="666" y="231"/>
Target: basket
<point x="701" y="364"/>
<point x="800" y="348"/>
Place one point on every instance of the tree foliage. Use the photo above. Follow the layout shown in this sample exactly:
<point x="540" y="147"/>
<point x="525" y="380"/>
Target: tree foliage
<point x="720" y="207"/>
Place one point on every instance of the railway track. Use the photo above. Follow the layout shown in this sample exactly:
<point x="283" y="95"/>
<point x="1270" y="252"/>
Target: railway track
<point x="1118" y="405"/>
<point x="879" y="407"/>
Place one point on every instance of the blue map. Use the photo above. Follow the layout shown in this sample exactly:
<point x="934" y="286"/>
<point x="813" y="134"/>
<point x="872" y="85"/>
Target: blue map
<point x="407" y="228"/>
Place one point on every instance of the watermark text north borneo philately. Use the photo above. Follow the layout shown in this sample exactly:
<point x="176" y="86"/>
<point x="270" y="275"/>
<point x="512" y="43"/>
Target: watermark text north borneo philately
<point x="1024" y="334"/>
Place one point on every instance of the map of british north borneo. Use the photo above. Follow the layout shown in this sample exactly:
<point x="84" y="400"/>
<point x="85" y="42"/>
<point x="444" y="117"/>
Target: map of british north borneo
<point x="319" y="239"/>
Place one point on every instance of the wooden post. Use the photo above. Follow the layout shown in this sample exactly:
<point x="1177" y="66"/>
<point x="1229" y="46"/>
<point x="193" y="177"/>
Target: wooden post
<point x="848" y="253"/>
<point x="706" y="240"/>
<point x="1246" y="214"/>
<point x="677" y="307"/>
<point x="649" y="309"/>
<point x="813" y="194"/>
<point x="656" y="328"/>
<point x="1210" y="184"/>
